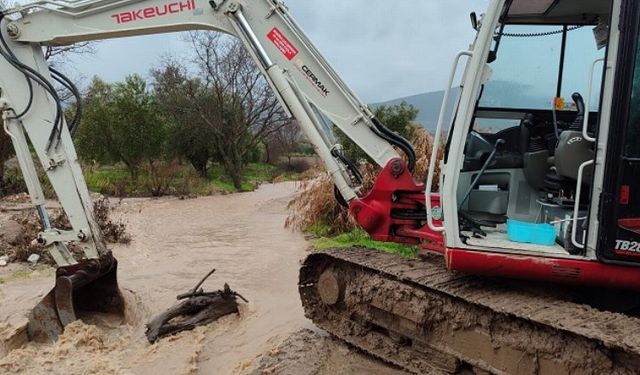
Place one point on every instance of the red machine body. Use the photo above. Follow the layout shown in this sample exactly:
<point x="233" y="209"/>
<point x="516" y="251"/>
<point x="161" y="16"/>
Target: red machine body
<point x="394" y="208"/>
<point x="389" y="212"/>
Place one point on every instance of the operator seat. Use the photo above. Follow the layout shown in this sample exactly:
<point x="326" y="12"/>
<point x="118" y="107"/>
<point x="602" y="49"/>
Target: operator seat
<point x="572" y="150"/>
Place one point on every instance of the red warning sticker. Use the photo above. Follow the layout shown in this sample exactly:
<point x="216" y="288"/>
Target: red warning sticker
<point x="283" y="44"/>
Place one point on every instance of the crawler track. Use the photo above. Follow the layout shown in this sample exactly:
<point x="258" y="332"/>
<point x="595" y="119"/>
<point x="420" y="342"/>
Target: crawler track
<point x="419" y="316"/>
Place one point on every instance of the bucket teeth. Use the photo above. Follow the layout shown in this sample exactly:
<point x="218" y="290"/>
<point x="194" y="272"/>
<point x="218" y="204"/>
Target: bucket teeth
<point x="44" y="324"/>
<point x="89" y="286"/>
<point x="63" y="297"/>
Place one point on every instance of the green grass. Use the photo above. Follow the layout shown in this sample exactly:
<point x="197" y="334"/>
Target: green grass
<point x="24" y="274"/>
<point x="252" y="175"/>
<point x="100" y="177"/>
<point x="360" y="238"/>
<point x="19" y="275"/>
<point x="115" y="180"/>
<point x="223" y="183"/>
<point x="320" y="230"/>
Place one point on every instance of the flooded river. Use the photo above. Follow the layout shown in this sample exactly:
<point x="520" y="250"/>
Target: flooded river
<point x="175" y="243"/>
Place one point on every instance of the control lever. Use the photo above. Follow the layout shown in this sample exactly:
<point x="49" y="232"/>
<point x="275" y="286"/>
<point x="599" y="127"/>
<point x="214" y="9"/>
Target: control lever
<point x="496" y="147"/>
<point x="472" y="223"/>
<point x="579" y="101"/>
<point x="528" y="121"/>
<point x="525" y="132"/>
<point x="579" y="120"/>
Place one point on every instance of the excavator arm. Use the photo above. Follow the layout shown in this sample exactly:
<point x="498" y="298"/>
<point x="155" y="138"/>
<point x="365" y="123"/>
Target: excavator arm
<point x="306" y="85"/>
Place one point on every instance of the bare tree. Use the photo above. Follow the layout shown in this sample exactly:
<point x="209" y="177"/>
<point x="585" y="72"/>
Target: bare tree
<point x="54" y="54"/>
<point x="240" y="107"/>
<point x="58" y="58"/>
<point x="284" y="142"/>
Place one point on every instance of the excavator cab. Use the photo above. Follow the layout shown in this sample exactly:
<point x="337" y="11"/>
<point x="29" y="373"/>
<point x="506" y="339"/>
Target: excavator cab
<point x="542" y="149"/>
<point x="539" y="118"/>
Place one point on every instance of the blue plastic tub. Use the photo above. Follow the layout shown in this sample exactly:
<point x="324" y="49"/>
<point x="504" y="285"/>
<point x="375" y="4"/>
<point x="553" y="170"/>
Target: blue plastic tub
<point x="539" y="234"/>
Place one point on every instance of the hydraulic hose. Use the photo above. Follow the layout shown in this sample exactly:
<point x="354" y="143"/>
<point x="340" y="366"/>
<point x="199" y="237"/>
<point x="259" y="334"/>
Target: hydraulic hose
<point x="351" y="166"/>
<point x="349" y="163"/>
<point x="396" y="140"/>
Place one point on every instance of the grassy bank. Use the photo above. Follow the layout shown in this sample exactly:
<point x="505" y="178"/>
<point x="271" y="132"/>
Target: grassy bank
<point x="27" y="273"/>
<point x="360" y="238"/>
<point x="178" y="179"/>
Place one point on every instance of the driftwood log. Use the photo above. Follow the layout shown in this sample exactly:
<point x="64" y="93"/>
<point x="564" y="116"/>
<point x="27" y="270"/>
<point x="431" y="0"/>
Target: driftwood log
<point x="197" y="308"/>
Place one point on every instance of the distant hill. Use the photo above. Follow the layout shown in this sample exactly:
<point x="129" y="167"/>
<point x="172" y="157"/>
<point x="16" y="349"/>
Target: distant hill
<point x="428" y="105"/>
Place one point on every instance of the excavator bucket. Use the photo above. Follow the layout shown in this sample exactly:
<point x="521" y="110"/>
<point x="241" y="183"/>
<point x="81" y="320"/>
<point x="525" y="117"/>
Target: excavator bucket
<point x="85" y="287"/>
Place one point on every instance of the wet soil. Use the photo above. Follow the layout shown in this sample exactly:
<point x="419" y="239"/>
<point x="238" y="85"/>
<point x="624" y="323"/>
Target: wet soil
<point x="310" y="352"/>
<point x="20" y="225"/>
<point x="176" y="242"/>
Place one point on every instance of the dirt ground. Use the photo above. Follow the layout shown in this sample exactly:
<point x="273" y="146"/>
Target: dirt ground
<point x="176" y="242"/>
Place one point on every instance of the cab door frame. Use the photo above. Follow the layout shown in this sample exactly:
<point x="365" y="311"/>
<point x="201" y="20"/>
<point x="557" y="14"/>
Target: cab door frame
<point x="614" y="137"/>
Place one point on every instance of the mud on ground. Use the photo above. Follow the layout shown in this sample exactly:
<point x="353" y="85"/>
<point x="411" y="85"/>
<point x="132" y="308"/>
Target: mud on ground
<point x="313" y="352"/>
<point x="19" y="226"/>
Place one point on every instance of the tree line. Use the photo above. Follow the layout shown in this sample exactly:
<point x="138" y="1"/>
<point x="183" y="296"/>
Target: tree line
<point x="218" y="108"/>
<point x="214" y="108"/>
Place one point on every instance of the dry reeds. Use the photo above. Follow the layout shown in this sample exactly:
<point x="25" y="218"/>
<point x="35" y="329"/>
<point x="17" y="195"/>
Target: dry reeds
<point x="423" y="143"/>
<point x="315" y="208"/>
<point x="315" y="205"/>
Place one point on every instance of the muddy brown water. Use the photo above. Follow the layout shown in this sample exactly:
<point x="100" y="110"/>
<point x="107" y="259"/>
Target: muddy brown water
<point x="175" y="243"/>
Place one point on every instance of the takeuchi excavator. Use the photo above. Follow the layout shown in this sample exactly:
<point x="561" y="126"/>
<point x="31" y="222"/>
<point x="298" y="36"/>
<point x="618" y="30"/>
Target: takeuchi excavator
<point x="540" y="181"/>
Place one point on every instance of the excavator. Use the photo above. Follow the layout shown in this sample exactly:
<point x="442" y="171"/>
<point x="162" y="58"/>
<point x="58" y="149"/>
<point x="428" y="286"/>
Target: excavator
<point x="537" y="181"/>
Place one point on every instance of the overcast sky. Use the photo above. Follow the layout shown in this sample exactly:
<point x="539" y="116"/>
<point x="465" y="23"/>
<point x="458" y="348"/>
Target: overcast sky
<point x="382" y="49"/>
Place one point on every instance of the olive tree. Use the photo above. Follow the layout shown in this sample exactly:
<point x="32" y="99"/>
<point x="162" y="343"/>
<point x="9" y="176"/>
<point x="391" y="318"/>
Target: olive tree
<point x="121" y="123"/>
<point x="190" y="137"/>
<point x="235" y="102"/>
<point x="398" y="118"/>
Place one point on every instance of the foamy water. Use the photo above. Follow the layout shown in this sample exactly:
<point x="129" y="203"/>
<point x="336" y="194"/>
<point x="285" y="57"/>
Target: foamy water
<point x="175" y="243"/>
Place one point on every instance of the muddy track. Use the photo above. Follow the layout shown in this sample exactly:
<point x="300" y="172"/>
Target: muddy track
<point x="417" y="315"/>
